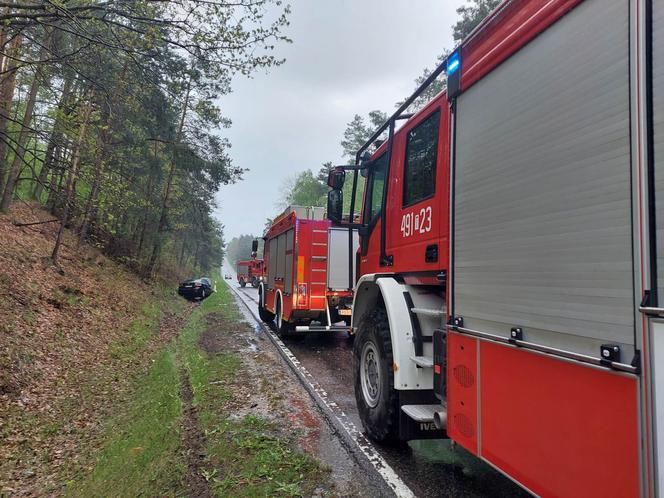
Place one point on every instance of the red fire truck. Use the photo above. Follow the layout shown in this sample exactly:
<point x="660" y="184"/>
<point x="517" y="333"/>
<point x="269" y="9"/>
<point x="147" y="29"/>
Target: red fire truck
<point x="250" y="272"/>
<point x="307" y="273"/>
<point x="511" y="253"/>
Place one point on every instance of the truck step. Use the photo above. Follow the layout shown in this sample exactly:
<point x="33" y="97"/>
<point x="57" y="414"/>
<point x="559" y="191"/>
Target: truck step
<point x="422" y="361"/>
<point x="322" y="328"/>
<point x="422" y="413"/>
<point x="428" y="312"/>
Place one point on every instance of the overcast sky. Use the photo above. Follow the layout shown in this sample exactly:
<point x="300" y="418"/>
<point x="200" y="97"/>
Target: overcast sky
<point x="347" y="57"/>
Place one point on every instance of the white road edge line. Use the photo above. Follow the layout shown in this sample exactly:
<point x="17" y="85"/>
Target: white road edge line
<point x="334" y="413"/>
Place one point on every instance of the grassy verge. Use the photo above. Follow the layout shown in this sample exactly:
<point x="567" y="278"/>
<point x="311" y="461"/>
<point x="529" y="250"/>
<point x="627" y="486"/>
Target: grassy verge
<point x="247" y="457"/>
<point x="144" y="454"/>
<point x="143" y="445"/>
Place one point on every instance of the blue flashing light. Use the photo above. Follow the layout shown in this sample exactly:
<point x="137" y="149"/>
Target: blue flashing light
<point x="453" y="63"/>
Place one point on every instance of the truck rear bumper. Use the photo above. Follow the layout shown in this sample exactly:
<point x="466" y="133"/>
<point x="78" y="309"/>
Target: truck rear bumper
<point x="322" y="328"/>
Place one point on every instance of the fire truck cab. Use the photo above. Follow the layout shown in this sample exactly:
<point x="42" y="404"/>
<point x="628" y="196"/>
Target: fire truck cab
<point x="509" y="273"/>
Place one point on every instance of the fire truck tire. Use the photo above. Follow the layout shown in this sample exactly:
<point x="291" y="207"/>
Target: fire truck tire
<point x="254" y="282"/>
<point x="263" y="313"/>
<point x="242" y="282"/>
<point x="284" y="328"/>
<point x="377" y="400"/>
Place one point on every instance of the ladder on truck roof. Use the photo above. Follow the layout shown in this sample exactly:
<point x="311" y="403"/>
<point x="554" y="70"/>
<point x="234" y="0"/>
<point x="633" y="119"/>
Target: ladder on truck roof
<point x="315" y="213"/>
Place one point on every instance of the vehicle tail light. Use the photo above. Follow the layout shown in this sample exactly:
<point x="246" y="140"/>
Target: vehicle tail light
<point x="301" y="294"/>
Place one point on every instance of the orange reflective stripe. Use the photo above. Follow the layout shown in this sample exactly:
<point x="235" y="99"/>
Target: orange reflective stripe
<point x="300" y="268"/>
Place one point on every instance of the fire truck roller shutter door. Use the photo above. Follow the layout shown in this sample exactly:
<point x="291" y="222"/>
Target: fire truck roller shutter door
<point x="543" y="202"/>
<point x="281" y="258"/>
<point x="543" y="243"/>
<point x="272" y="263"/>
<point x="658" y="136"/>
<point x="657" y="326"/>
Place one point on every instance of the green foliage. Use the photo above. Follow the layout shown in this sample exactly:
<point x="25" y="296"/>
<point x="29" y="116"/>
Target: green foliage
<point x="128" y="134"/>
<point x="470" y="16"/>
<point x="239" y="248"/>
<point x="307" y="190"/>
<point x="358" y="131"/>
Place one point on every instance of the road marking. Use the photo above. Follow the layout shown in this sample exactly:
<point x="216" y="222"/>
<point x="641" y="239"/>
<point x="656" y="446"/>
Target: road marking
<point x="356" y="442"/>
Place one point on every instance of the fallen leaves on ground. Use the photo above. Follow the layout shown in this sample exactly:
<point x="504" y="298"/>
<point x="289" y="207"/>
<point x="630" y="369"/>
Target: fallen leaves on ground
<point x="62" y="367"/>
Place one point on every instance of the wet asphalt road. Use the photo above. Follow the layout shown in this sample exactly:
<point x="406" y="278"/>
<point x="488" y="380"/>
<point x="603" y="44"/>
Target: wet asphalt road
<point x="429" y="468"/>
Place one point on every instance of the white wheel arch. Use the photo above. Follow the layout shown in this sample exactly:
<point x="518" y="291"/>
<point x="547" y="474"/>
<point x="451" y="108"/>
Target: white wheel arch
<point x="368" y="292"/>
<point x="261" y="293"/>
<point x="278" y="298"/>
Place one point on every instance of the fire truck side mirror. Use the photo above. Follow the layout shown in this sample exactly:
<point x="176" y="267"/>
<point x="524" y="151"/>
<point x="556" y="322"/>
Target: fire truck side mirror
<point x="254" y="246"/>
<point x="336" y="178"/>
<point x="335" y="205"/>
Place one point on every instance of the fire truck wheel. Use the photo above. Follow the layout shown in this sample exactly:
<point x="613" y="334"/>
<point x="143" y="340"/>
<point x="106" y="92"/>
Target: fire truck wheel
<point x="254" y="282"/>
<point x="263" y="313"/>
<point x="242" y="282"/>
<point x="284" y="328"/>
<point x="377" y="400"/>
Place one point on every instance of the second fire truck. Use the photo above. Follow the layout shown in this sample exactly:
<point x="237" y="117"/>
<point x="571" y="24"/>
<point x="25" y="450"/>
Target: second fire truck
<point x="250" y="271"/>
<point x="307" y="278"/>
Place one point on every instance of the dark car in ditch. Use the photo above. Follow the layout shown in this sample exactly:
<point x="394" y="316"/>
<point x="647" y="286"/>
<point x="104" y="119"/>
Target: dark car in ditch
<point x="196" y="288"/>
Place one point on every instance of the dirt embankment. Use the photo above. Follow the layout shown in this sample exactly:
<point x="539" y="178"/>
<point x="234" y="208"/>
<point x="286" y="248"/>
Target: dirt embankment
<point x="68" y="336"/>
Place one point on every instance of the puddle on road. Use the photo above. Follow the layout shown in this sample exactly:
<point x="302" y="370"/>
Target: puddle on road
<point x="248" y="317"/>
<point x="253" y="347"/>
<point x="435" y="468"/>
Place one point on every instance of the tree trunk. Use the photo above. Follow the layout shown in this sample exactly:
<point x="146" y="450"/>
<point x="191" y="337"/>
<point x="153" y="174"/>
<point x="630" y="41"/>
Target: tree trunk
<point x="7" y="86"/>
<point x="15" y="169"/>
<point x="184" y="246"/>
<point x="158" y="242"/>
<point x="109" y="120"/>
<point x="144" y="222"/>
<point x="55" y="140"/>
<point x="198" y="248"/>
<point x="71" y="179"/>
<point x="90" y="211"/>
<point x="55" y="185"/>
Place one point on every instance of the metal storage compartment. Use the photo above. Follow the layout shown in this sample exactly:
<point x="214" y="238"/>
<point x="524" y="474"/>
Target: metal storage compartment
<point x="542" y="204"/>
<point x="658" y="135"/>
<point x="316" y="213"/>
<point x="272" y="263"/>
<point x="281" y="256"/>
<point x="337" y="258"/>
<point x="288" y="261"/>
